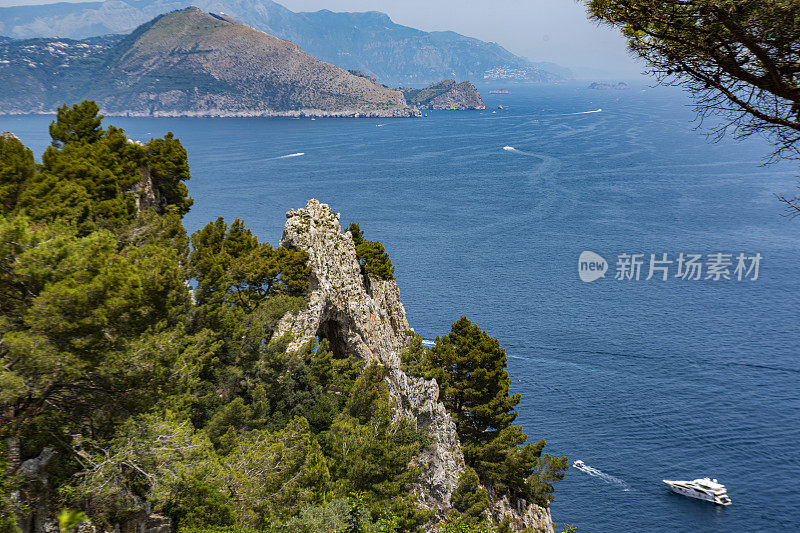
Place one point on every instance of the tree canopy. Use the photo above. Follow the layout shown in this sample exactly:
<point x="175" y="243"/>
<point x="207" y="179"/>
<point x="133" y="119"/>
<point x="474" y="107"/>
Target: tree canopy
<point x="91" y="177"/>
<point x="740" y="59"/>
<point x="371" y="254"/>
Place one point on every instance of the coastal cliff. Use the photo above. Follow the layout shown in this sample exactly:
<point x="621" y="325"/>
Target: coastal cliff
<point x="362" y="315"/>
<point x="445" y="95"/>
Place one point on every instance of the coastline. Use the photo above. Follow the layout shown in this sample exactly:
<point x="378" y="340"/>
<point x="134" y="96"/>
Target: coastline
<point x="411" y="112"/>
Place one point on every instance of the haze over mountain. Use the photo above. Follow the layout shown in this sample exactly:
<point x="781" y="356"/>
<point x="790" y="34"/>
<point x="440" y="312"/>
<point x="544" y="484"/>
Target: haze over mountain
<point x="186" y="63"/>
<point x="370" y="42"/>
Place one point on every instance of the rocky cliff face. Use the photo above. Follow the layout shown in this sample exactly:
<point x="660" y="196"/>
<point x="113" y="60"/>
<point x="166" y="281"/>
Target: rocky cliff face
<point x="363" y="315"/>
<point x="446" y="95"/>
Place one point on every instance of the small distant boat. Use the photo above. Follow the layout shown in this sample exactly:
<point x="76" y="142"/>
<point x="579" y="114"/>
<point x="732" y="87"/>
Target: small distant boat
<point x="702" y="489"/>
<point x="499" y="91"/>
<point x="509" y="148"/>
<point x="499" y="107"/>
<point x="578" y="464"/>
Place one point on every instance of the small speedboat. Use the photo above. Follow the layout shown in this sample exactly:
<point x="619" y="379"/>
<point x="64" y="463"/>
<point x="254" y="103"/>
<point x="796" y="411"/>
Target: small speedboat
<point x="578" y="463"/>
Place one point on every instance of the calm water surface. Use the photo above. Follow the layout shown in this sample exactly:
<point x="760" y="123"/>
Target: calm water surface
<point x="642" y="380"/>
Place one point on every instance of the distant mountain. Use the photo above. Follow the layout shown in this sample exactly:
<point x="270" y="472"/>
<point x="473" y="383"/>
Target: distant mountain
<point x="186" y="63"/>
<point x="369" y="42"/>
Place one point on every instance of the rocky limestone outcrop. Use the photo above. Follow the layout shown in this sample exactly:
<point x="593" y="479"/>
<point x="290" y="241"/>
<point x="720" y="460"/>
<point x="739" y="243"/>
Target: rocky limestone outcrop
<point x="363" y="315"/>
<point x="446" y="95"/>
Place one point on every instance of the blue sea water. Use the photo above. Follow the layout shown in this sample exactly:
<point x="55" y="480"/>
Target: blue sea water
<point x="642" y="380"/>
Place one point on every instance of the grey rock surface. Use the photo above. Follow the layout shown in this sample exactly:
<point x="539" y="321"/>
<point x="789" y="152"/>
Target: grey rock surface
<point x="363" y="315"/>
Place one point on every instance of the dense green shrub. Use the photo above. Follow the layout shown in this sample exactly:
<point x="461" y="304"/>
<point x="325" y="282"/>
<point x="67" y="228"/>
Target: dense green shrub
<point x="371" y="254"/>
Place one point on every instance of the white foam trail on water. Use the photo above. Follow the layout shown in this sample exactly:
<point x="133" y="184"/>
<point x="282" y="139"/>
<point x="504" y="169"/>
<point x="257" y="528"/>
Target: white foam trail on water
<point x="379" y="125"/>
<point x="427" y="343"/>
<point x="608" y="478"/>
<point x="581" y="113"/>
<point x="298" y="154"/>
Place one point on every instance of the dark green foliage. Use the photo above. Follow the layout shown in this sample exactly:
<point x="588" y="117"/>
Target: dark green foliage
<point x="169" y="169"/>
<point x="79" y="123"/>
<point x="314" y="384"/>
<point x="90" y="177"/>
<point x="470" y="367"/>
<point x="548" y="470"/>
<point x="375" y="260"/>
<point x="355" y="515"/>
<point x="356" y="232"/>
<point x="198" y="503"/>
<point x="94" y="328"/>
<point x="470" y="500"/>
<point x="231" y="266"/>
<point x="371" y="254"/>
<point x="8" y="505"/>
<point x="370" y="453"/>
<point x="271" y="475"/>
<point x="16" y="168"/>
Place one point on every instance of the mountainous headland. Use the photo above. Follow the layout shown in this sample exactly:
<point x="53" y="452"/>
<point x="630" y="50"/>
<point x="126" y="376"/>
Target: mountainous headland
<point x="192" y="63"/>
<point x="187" y="63"/>
<point x="445" y="95"/>
<point x="370" y="42"/>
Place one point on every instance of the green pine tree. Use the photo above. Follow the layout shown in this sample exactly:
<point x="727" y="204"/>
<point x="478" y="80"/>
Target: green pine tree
<point x="371" y="255"/>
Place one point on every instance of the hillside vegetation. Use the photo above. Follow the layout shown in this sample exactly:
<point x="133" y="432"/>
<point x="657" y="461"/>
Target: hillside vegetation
<point x="140" y="370"/>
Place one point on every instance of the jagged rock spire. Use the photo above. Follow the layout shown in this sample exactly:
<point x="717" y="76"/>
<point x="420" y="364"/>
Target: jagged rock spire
<point x="361" y="315"/>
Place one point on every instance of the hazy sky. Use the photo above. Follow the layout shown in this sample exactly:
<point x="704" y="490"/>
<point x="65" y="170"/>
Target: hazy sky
<point x="542" y="30"/>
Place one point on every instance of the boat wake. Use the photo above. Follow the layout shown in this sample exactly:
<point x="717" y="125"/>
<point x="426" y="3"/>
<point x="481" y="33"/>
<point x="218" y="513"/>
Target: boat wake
<point x="608" y="478"/>
<point x="427" y="343"/>
<point x="581" y="113"/>
<point x="298" y="154"/>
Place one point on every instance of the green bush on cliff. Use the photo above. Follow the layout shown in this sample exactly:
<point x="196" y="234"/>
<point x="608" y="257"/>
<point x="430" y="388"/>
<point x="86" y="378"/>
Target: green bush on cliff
<point x="371" y="254"/>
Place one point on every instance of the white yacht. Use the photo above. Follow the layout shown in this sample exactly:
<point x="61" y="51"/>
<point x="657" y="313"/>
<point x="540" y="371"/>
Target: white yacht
<point x="702" y="489"/>
<point x="578" y="463"/>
